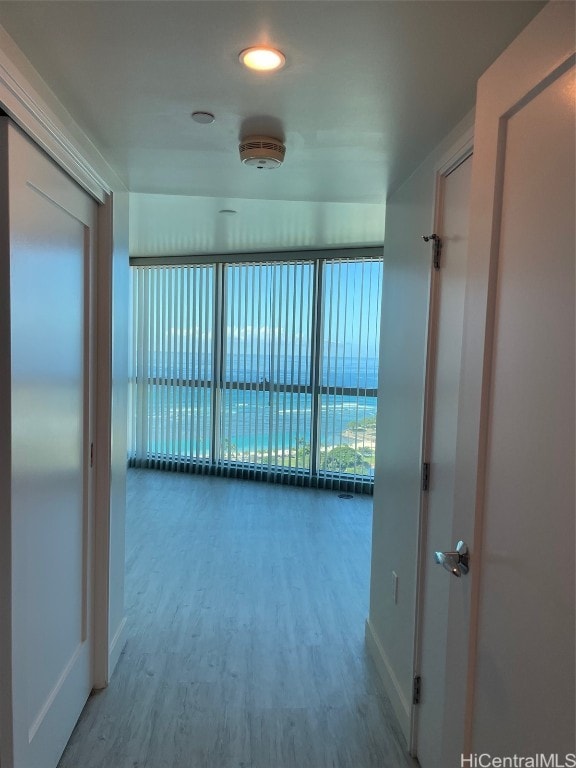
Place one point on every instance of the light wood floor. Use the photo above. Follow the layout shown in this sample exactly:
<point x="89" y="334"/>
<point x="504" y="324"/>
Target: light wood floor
<point x="246" y="605"/>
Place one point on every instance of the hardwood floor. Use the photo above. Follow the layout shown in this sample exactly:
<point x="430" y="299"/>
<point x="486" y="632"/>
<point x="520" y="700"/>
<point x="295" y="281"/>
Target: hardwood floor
<point x="246" y="605"/>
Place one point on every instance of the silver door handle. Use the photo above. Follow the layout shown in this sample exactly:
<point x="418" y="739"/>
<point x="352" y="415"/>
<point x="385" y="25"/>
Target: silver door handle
<point x="457" y="562"/>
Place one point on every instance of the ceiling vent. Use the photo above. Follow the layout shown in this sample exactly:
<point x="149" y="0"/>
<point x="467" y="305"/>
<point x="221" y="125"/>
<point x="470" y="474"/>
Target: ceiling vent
<point x="262" y="152"/>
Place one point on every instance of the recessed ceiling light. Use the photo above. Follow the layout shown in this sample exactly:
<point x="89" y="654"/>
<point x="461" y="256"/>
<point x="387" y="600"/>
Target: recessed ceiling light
<point x="203" y="117"/>
<point x="262" y="59"/>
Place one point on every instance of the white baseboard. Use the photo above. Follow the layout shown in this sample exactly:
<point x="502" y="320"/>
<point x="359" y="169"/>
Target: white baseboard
<point x="116" y="647"/>
<point x="402" y="708"/>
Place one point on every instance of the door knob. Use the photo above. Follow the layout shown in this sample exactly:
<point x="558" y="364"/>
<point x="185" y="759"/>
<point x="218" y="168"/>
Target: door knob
<point x="457" y="562"/>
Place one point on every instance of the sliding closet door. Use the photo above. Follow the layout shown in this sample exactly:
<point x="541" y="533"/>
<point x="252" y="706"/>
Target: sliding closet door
<point x="46" y="520"/>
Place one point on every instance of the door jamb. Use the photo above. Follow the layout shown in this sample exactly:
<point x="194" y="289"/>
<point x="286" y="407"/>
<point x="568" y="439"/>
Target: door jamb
<point x="454" y="157"/>
<point x="102" y="383"/>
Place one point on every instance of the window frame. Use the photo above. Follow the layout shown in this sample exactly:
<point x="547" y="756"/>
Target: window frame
<point x="314" y="475"/>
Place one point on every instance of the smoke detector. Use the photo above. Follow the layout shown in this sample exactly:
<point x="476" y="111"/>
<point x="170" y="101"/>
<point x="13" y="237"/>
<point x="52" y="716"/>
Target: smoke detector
<point x="262" y="152"/>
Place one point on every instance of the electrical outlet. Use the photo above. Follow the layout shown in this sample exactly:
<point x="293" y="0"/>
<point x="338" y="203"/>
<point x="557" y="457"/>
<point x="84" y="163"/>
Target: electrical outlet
<point x="395" y="587"/>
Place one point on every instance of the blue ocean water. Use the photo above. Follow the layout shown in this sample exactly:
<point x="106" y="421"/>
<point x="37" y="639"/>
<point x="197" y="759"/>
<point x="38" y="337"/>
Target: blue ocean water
<point x="250" y="421"/>
<point x="265" y="424"/>
<point x="340" y="371"/>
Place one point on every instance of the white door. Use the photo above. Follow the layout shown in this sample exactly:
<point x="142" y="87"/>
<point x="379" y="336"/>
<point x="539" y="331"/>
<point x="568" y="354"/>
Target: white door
<point x="503" y="682"/>
<point x="518" y="396"/>
<point x="48" y="517"/>
<point x="444" y="617"/>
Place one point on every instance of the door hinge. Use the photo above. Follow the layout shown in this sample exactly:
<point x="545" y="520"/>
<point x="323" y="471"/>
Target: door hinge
<point x="416" y="689"/>
<point x="91" y="454"/>
<point x="437" y="248"/>
<point x="425" y="476"/>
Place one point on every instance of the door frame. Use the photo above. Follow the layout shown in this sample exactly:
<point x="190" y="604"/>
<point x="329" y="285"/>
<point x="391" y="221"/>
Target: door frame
<point x="47" y="125"/>
<point x="454" y="157"/>
<point x="102" y="666"/>
<point x="541" y="53"/>
<point x="546" y="45"/>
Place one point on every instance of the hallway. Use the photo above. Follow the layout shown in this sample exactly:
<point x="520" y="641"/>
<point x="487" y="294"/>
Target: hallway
<point x="246" y="605"/>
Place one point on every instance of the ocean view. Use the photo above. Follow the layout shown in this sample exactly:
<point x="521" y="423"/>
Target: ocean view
<point x="340" y="370"/>
<point x="257" y="364"/>
<point x="272" y="424"/>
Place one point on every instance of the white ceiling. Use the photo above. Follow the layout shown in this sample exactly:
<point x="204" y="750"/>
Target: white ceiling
<point x="368" y="90"/>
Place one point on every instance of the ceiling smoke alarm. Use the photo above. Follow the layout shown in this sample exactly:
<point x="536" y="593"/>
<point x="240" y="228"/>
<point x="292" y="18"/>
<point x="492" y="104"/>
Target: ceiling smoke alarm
<point x="262" y="152"/>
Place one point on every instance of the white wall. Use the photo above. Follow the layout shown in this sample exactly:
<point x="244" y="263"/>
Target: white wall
<point x="390" y="627"/>
<point x="119" y="426"/>
<point x="111" y="447"/>
<point x="26" y="98"/>
<point x="180" y="225"/>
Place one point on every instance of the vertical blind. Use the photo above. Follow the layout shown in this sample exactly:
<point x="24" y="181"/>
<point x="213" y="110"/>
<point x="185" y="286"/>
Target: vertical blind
<point x="265" y="370"/>
<point x="170" y="385"/>
<point x="349" y="368"/>
<point x="266" y="364"/>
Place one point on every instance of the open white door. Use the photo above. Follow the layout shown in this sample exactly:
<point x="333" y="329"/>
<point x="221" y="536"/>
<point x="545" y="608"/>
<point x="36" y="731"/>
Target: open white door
<point x="517" y="407"/>
<point x="46" y="523"/>
<point x="443" y="624"/>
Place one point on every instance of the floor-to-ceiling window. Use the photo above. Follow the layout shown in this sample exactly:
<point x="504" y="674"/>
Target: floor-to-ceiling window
<point x="258" y="368"/>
